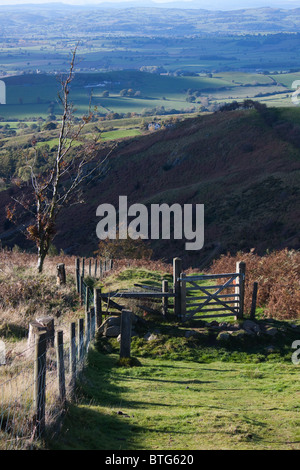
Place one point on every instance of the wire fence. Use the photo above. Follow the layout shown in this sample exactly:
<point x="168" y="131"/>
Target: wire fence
<point x="36" y="383"/>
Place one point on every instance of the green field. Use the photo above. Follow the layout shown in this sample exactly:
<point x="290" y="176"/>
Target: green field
<point x="33" y="96"/>
<point x="179" y="405"/>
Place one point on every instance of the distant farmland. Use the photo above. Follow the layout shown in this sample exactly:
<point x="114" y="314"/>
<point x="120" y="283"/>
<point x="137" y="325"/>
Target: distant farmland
<point x="36" y="95"/>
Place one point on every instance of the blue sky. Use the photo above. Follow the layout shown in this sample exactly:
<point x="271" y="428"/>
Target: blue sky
<point x="213" y="4"/>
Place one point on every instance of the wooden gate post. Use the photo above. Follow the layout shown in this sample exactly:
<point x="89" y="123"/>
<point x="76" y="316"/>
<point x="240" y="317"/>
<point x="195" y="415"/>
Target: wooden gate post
<point x="125" y="342"/>
<point x="254" y="298"/>
<point x="240" y="289"/>
<point x="182" y="296"/>
<point x="177" y="268"/>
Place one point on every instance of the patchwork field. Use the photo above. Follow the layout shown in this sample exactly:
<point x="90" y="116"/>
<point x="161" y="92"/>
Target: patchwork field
<point x="123" y="92"/>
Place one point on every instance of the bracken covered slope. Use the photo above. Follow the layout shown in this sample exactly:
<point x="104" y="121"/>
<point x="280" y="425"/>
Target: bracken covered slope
<point x="242" y="165"/>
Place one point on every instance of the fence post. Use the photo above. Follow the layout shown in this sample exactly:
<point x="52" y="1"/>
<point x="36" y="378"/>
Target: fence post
<point x="81" y="289"/>
<point x="82" y="267"/>
<point x="165" y="303"/>
<point x="80" y="339"/>
<point x="90" y="267"/>
<point x="254" y="298"/>
<point x="77" y="274"/>
<point x="60" y="366"/>
<point x="72" y="352"/>
<point x="240" y="289"/>
<point x="98" y="307"/>
<point x="93" y="324"/>
<point x="182" y="296"/>
<point x="87" y="298"/>
<point x="61" y="274"/>
<point x="96" y="262"/>
<point x="40" y="382"/>
<point x="177" y="268"/>
<point x="87" y="328"/>
<point x="48" y="323"/>
<point x="126" y="318"/>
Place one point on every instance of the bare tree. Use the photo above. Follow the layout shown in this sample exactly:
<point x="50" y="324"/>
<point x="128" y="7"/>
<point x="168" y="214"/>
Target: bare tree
<point x="60" y="186"/>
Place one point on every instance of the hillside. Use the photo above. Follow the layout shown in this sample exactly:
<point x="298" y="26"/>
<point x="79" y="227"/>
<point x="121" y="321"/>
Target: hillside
<point x="242" y="165"/>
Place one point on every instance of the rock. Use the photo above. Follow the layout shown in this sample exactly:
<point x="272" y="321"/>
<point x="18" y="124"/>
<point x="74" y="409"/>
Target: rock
<point x="240" y="334"/>
<point x="270" y="349"/>
<point x="224" y="336"/>
<point x="271" y="331"/>
<point x="251" y="326"/>
<point x="190" y="333"/>
<point x="150" y="337"/>
<point x="112" y="331"/>
<point x="111" y="326"/>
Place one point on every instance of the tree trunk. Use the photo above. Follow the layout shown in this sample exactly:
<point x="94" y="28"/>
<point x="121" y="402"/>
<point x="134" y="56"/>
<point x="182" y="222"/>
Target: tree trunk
<point x="41" y="258"/>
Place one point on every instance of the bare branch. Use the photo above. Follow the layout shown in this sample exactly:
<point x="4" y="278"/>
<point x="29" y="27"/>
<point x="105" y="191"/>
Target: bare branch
<point x="50" y="194"/>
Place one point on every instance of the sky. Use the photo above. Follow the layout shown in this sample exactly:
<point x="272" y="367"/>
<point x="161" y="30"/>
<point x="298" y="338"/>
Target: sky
<point x="207" y="4"/>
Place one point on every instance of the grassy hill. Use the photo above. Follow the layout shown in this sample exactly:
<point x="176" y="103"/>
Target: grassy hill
<point x="188" y="388"/>
<point x="242" y="165"/>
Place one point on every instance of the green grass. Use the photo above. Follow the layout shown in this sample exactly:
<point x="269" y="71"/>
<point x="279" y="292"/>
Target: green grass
<point x="187" y="392"/>
<point x="119" y="134"/>
<point x="167" y="405"/>
<point x="32" y="95"/>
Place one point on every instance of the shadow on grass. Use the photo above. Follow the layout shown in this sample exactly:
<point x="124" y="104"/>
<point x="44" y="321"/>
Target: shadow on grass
<point x="94" y="420"/>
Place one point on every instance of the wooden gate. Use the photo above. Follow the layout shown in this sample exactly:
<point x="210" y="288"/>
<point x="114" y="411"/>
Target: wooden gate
<point x="206" y="301"/>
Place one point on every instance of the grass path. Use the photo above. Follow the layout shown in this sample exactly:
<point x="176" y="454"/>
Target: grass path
<point x="173" y="405"/>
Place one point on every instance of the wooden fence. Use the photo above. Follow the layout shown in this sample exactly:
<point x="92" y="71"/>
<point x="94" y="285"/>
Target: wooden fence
<point x="189" y="297"/>
<point x="199" y="298"/>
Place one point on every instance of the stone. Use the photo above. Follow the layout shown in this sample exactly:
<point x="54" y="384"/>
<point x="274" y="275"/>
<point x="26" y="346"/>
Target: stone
<point x="111" y="326"/>
<point x="112" y="331"/>
<point x="224" y="336"/>
<point x="270" y="349"/>
<point x="271" y="331"/>
<point x="251" y="326"/>
<point x="241" y="333"/>
<point x="150" y="336"/>
<point x="190" y="333"/>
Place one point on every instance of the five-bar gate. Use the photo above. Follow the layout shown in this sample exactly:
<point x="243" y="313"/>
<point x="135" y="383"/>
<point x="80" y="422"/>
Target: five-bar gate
<point x="222" y="298"/>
